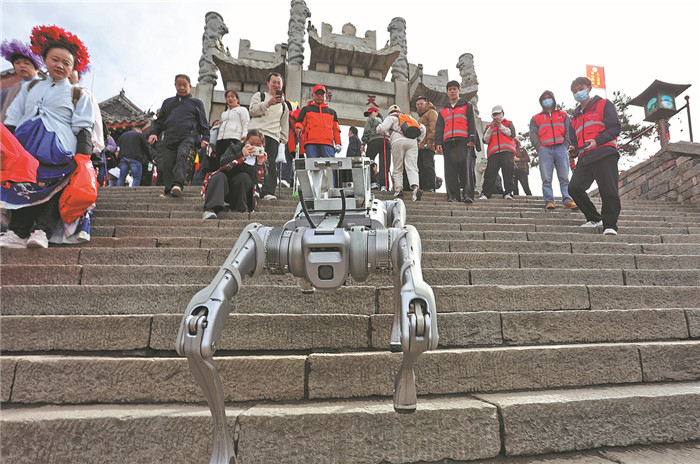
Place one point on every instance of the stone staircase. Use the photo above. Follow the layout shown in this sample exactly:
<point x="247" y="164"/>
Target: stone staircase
<point x="558" y="344"/>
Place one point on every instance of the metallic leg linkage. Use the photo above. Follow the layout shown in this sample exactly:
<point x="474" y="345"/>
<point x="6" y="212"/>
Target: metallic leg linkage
<point x="415" y="321"/>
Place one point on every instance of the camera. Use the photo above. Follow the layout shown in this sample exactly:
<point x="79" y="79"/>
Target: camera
<point x="258" y="151"/>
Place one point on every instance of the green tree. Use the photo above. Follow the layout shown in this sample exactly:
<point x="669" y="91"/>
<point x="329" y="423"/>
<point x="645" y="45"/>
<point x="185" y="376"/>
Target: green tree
<point x="629" y="129"/>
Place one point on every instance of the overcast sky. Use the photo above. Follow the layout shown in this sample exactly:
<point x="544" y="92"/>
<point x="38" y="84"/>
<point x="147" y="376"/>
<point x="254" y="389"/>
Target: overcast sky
<point x="520" y="48"/>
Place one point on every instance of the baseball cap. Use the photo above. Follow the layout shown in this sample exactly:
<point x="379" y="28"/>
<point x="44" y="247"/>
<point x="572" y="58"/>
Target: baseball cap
<point x="318" y="87"/>
<point x="369" y="110"/>
<point x="394" y="109"/>
<point x="497" y="109"/>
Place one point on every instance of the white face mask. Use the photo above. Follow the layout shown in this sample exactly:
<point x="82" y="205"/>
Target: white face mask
<point x="498" y="117"/>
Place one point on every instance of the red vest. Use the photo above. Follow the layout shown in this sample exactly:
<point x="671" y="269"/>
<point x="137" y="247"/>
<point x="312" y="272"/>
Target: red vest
<point x="455" y="122"/>
<point x="551" y="129"/>
<point x="589" y="124"/>
<point x="500" y="142"/>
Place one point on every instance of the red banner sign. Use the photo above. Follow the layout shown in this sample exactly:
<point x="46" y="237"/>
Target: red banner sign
<point x="597" y="75"/>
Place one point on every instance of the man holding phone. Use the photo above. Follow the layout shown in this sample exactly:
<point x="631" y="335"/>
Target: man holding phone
<point x="597" y="127"/>
<point x="270" y="115"/>
<point x="500" y="137"/>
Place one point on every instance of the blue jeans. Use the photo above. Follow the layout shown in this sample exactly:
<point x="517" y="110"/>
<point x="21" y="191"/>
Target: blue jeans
<point x="317" y="150"/>
<point x="551" y="157"/>
<point x="126" y="164"/>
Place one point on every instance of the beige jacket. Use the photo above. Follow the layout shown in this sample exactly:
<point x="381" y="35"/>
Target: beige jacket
<point x="428" y="118"/>
<point x="271" y="120"/>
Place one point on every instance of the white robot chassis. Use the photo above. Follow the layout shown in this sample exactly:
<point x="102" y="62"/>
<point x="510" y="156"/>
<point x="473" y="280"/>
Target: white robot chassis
<point x="335" y="233"/>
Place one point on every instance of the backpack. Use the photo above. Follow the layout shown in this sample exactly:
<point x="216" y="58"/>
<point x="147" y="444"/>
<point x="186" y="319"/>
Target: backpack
<point x="409" y="126"/>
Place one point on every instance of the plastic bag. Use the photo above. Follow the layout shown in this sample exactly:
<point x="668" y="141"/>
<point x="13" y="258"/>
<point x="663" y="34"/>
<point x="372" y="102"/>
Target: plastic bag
<point x="281" y="158"/>
<point x="16" y="163"/>
<point x="81" y="191"/>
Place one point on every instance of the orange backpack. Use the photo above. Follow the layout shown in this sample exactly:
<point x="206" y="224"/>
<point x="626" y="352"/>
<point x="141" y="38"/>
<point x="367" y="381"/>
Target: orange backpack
<point x="409" y="126"/>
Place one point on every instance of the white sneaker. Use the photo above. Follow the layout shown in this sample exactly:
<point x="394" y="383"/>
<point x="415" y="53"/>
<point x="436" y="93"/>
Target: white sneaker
<point x="483" y="197"/>
<point x="592" y="224"/>
<point x="11" y="240"/>
<point x="508" y="197"/>
<point x="208" y="214"/>
<point x="417" y="194"/>
<point x="383" y="189"/>
<point x="609" y="232"/>
<point x="269" y="197"/>
<point x="176" y="191"/>
<point x="374" y="186"/>
<point x="38" y="239"/>
<point x="284" y="184"/>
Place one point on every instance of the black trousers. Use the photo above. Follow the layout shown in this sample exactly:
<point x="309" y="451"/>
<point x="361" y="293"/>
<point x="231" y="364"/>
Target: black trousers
<point x="44" y="217"/>
<point x="377" y="147"/>
<point x="426" y="170"/>
<point x="234" y="188"/>
<point x="459" y="170"/>
<point x="174" y="159"/>
<point x="270" y="183"/>
<point x="605" y="173"/>
<point x="521" y="175"/>
<point x="503" y="161"/>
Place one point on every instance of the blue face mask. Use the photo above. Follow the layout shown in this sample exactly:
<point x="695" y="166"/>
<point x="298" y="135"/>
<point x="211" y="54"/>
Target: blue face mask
<point x="581" y="96"/>
<point x="547" y="103"/>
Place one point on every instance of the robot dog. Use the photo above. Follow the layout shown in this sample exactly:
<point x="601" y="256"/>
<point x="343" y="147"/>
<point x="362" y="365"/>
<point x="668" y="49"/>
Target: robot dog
<point x="335" y="233"/>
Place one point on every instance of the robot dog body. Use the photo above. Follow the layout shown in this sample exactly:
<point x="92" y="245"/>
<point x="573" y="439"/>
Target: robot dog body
<point x="335" y="233"/>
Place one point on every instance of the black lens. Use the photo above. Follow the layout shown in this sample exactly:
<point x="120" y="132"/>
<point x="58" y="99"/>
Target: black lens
<point x="325" y="272"/>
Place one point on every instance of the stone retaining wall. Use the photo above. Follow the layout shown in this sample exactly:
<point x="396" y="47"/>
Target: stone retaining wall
<point x="672" y="174"/>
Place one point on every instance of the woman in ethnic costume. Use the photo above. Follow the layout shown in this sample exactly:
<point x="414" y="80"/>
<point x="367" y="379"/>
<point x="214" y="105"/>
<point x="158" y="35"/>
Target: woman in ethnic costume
<point x="26" y="64"/>
<point x="53" y="121"/>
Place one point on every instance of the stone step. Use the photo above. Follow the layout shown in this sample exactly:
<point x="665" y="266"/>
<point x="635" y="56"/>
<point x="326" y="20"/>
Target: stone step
<point x="677" y="453"/>
<point x="490" y="231"/>
<point x="369" y="431"/>
<point x="470" y="223"/>
<point x="101" y="274"/>
<point x="267" y="333"/>
<point x="288" y="203"/>
<point x="560" y="256"/>
<point x="653" y="208"/>
<point x="88" y="379"/>
<point x="275" y="299"/>
<point x="610" y="416"/>
<point x="339" y="432"/>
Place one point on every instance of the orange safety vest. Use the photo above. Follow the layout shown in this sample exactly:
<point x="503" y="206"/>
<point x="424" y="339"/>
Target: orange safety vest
<point x="589" y="125"/>
<point x="456" y="124"/>
<point x="500" y="142"/>
<point x="550" y="128"/>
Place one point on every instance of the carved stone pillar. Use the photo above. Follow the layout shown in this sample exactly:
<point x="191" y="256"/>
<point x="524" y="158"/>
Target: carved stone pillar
<point x="214" y="30"/>
<point x="397" y="36"/>
<point x="298" y="15"/>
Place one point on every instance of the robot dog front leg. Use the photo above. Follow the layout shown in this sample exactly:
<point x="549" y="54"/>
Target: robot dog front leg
<point x="415" y="320"/>
<point x="203" y="323"/>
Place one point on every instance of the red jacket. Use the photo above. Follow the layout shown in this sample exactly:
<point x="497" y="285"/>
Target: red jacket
<point x="319" y="124"/>
<point x="456" y="123"/>
<point x="292" y="139"/>
<point x="551" y="130"/>
<point x="590" y="124"/>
